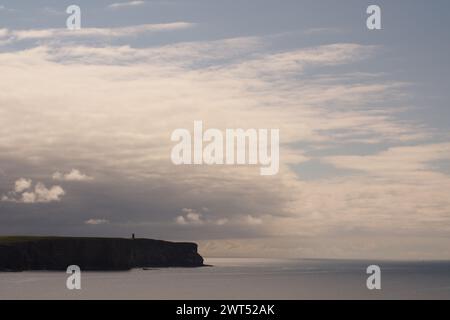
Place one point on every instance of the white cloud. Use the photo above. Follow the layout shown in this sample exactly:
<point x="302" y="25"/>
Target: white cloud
<point x="22" y="184"/>
<point x="61" y="33"/>
<point x="3" y="8"/>
<point x="191" y="217"/>
<point x="119" y="5"/>
<point x="178" y="55"/>
<point x="48" y="195"/>
<point x="222" y="221"/>
<point x="320" y="31"/>
<point x="253" y="220"/>
<point x="180" y="220"/>
<point x="40" y="193"/>
<point x="73" y="175"/>
<point x="396" y="162"/>
<point x="96" y="221"/>
<point x="28" y="197"/>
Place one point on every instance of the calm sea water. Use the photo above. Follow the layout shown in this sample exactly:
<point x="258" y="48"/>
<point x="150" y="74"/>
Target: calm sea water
<point x="242" y="279"/>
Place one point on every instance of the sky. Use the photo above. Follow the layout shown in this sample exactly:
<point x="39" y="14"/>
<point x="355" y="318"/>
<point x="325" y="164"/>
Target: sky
<point x="86" y="118"/>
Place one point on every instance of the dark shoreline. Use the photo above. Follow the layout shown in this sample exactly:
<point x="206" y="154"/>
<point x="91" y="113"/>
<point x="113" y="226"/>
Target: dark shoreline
<point x="94" y="254"/>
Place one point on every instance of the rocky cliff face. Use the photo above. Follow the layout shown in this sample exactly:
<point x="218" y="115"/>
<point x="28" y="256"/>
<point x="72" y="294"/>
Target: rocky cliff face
<point x="57" y="253"/>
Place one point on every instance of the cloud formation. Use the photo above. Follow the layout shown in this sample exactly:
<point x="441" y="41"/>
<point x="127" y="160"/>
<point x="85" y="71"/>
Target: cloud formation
<point x="73" y="175"/>
<point x="22" y="184"/>
<point x="10" y="36"/>
<point x="96" y="221"/>
<point x="111" y="111"/>
<point x="40" y="193"/>
<point x="190" y="217"/>
<point x="195" y="218"/>
<point x="127" y="4"/>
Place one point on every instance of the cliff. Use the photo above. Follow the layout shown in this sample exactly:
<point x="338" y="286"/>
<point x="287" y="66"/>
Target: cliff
<point x="57" y="253"/>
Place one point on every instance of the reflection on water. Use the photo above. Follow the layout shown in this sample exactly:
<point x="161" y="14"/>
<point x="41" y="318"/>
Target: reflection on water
<point x="242" y="278"/>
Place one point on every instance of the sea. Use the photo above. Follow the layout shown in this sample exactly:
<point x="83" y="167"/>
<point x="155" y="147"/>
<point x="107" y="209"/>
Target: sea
<point x="242" y="278"/>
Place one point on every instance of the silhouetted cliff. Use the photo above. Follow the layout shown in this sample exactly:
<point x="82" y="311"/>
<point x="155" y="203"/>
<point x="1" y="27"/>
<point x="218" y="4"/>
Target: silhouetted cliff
<point x="57" y="253"/>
